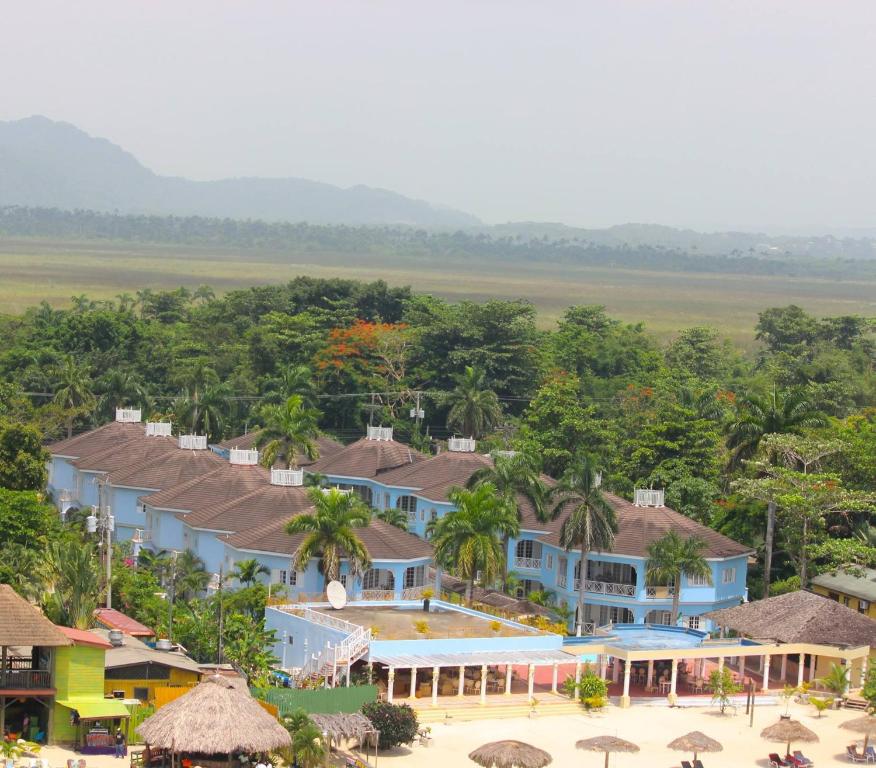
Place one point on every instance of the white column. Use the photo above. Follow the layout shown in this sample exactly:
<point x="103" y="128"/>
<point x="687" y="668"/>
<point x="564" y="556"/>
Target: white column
<point x="625" y="698"/>
<point x="436" y="673"/>
<point x="742" y="669"/>
<point x="484" y="684"/>
<point x="615" y="670"/>
<point x="766" y="672"/>
<point x="603" y="667"/>
<point x="531" y="679"/>
<point x="801" y="668"/>
<point x="461" y="691"/>
<point x="389" y="687"/>
<point x="508" y="672"/>
<point x="784" y="668"/>
<point x="554" y="681"/>
<point x="673" y="680"/>
<point x="847" y="669"/>
<point x="863" y="681"/>
<point x="650" y="683"/>
<point x="349" y="671"/>
<point x="413" y="682"/>
<point x="812" y="660"/>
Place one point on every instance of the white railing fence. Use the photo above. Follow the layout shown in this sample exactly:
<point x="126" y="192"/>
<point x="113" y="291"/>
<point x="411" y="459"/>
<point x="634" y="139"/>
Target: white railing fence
<point x="378" y="594"/>
<point x="287" y="477"/>
<point x="659" y="592"/>
<point x="530" y="563"/>
<point x="413" y="593"/>
<point x="243" y="457"/>
<point x="609" y="588"/>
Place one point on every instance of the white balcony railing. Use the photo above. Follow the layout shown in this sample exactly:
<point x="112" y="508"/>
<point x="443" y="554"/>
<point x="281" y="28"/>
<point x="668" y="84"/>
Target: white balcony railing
<point x="287" y="477"/>
<point x="158" y="428"/>
<point x="193" y="442"/>
<point x="379" y="433"/>
<point x="562" y="580"/>
<point x="610" y="588"/>
<point x="243" y="457"/>
<point x="528" y="563"/>
<point x="128" y="415"/>
<point x="378" y="594"/>
<point x="461" y="445"/>
<point x="647" y="497"/>
<point x="659" y="593"/>
<point x="141" y="536"/>
<point x="413" y="593"/>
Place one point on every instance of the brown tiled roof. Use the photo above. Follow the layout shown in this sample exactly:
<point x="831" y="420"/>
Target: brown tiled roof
<point x="167" y="469"/>
<point x="212" y="489"/>
<point x="382" y="540"/>
<point x="326" y="445"/>
<point x="96" y="440"/>
<point x="260" y="506"/>
<point x="639" y="526"/>
<point x="799" y="617"/>
<point x="23" y="624"/>
<point x="113" y="619"/>
<point x="447" y="469"/>
<point x="367" y="459"/>
<point x="126" y="454"/>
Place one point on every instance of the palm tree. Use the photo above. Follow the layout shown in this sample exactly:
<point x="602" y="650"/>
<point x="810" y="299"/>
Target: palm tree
<point x="394" y="516"/>
<point x="514" y="476"/>
<point x="290" y="431"/>
<point x="247" y="572"/>
<point x="760" y="415"/>
<point x="126" y="301"/>
<point x="307" y="746"/>
<point x="474" y="409"/>
<point x="119" y="388"/>
<point x="158" y="563"/>
<point x="671" y="556"/>
<point x="203" y="293"/>
<point x="293" y="380"/>
<point x="330" y="533"/>
<point x="470" y="538"/>
<point x="591" y="523"/>
<point x="189" y="575"/>
<point x="204" y="410"/>
<point x="74" y="576"/>
<point x="73" y="393"/>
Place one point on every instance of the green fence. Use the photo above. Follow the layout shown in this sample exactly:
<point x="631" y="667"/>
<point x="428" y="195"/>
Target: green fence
<point x="318" y="701"/>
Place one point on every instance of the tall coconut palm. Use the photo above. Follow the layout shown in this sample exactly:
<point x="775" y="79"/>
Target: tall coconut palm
<point x="290" y="431"/>
<point x="671" y="556"/>
<point x="330" y="533"/>
<point x="591" y="523"/>
<point x="293" y="380"/>
<point x="474" y="409"/>
<point x="470" y="538"/>
<point x="189" y="575"/>
<point x="770" y="414"/>
<point x="74" y="390"/>
<point x="203" y="411"/>
<point x="247" y="572"/>
<point x="74" y="581"/>
<point x="394" y="516"/>
<point x="120" y="388"/>
<point x="515" y="476"/>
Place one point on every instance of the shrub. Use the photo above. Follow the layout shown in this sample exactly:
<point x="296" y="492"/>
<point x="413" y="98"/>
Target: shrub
<point x="723" y="687"/>
<point x="422" y="626"/>
<point x="495" y="625"/>
<point x="592" y="690"/>
<point x="820" y="704"/>
<point x="835" y="681"/>
<point x="397" y="723"/>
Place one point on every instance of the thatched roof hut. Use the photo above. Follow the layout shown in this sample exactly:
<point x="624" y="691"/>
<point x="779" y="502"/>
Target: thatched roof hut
<point x="865" y="724"/>
<point x="696" y="742"/>
<point x="787" y="731"/>
<point x="608" y="745"/>
<point x="510" y="754"/>
<point x="23" y="624"/>
<point x="214" y="718"/>
<point x="799" y="617"/>
<point x="345" y="726"/>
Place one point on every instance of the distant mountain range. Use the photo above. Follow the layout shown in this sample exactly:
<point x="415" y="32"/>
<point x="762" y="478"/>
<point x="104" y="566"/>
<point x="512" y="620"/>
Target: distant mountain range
<point x="44" y="163"/>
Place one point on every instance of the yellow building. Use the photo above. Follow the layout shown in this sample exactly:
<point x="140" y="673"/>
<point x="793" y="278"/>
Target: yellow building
<point x="857" y="592"/>
<point x="134" y="670"/>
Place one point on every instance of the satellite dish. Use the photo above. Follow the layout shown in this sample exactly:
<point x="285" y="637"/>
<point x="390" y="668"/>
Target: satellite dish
<point x="337" y="595"/>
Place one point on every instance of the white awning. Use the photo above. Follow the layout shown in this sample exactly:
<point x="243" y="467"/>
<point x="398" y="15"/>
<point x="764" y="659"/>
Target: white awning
<point x="474" y="659"/>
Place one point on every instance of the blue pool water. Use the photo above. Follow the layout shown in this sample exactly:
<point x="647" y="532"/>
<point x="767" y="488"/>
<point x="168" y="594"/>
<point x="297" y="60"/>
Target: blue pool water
<point x="638" y="637"/>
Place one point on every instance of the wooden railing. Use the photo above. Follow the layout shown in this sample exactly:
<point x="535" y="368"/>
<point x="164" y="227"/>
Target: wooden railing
<point x="26" y="679"/>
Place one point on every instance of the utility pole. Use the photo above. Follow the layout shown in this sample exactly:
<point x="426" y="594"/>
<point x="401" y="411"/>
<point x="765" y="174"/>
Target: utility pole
<point x="101" y="522"/>
<point x="220" y="615"/>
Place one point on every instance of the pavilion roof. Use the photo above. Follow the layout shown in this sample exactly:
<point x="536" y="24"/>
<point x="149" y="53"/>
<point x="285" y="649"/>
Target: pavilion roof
<point x="23" y="624"/>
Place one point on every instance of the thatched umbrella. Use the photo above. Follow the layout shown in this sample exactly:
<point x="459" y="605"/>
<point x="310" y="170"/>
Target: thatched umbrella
<point x="865" y="725"/>
<point x="510" y="754"/>
<point x="607" y="744"/>
<point x="214" y="718"/>
<point x="347" y="726"/>
<point x="695" y="742"/>
<point x="787" y="731"/>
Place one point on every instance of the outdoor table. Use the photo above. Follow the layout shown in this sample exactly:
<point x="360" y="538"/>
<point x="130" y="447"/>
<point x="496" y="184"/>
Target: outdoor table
<point x="665" y="686"/>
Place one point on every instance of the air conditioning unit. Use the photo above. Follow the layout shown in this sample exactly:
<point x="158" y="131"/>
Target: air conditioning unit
<point x="461" y="444"/>
<point x="243" y="457"/>
<point x="128" y="415"/>
<point x="158" y="429"/>
<point x="646" y="497"/>
<point x="193" y="442"/>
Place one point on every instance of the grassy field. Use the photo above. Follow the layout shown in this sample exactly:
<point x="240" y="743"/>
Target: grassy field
<point x="32" y="271"/>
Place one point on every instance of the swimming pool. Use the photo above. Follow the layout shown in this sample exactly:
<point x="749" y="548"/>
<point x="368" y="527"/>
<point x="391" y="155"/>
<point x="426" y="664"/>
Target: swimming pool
<point x="642" y="637"/>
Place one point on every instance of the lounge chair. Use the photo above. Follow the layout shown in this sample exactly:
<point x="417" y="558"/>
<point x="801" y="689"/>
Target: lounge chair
<point x="698" y="764"/>
<point x="855" y="756"/>
<point x="802" y="759"/>
<point x="796" y="762"/>
<point x="871" y="754"/>
<point x="777" y="762"/>
<point x="685" y="764"/>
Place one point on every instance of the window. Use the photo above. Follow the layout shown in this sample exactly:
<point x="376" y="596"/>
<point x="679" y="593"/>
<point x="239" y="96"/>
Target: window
<point x="728" y="575"/>
<point x="863" y="606"/>
<point x="378" y="578"/>
<point x="550" y="562"/>
<point x="287" y="578"/>
<point x="845" y="600"/>
<point x="344" y="580"/>
<point x="693" y="622"/>
<point x="406" y="503"/>
<point x="415" y="576"/>
<point x="833" y="596"/>
<point x="422" y="515"/>
<point x="141" y="693"/>
<point x="386" y="501"/>
<point x="525" y="548"/>
<point x="433" y="515"/>
<point x="282" y="576"/>
<point x="698" y="581"/>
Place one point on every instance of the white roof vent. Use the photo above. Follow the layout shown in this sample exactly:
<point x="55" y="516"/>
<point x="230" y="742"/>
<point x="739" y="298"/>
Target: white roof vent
<point x="344" y="491"/>
<point x="646" y="497"/>
<point x="379" y="433"/>
<point x="128" y="415"/>
<point x="193" y="442"/>
<point x="158" y="428"/>
<point x="243" y="457"/>
<point x="461" y="444"/>
<point x="506" y="454"/>
<point x="288" y="477"/>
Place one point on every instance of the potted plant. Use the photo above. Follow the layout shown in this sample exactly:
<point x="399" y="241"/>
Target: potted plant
<point x="533" y="703"/>
<point x="427" y="598"/>
<point x="786" y="695"/>
<point x="426" y="737"/>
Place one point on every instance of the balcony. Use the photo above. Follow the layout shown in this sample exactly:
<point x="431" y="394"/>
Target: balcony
<point x="607" y="588"/>
<point x="377" y="594"/>
<point x="26" y="679"/>
<point x="528" y="563"/>
<point x="659" y="593"/>
<point x="413" y="593"/>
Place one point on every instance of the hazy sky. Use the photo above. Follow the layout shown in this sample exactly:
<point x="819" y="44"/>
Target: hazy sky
<point x="704" y="113"/>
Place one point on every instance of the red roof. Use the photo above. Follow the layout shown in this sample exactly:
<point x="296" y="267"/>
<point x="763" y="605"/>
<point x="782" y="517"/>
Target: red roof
<point x="84" y="637"/>
<point x="113" y="619"/>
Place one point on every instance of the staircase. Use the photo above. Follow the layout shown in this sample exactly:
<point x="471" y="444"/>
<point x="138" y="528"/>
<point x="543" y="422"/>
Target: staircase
<point x="333" y="660"/>
<point x="856" y="702"/>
